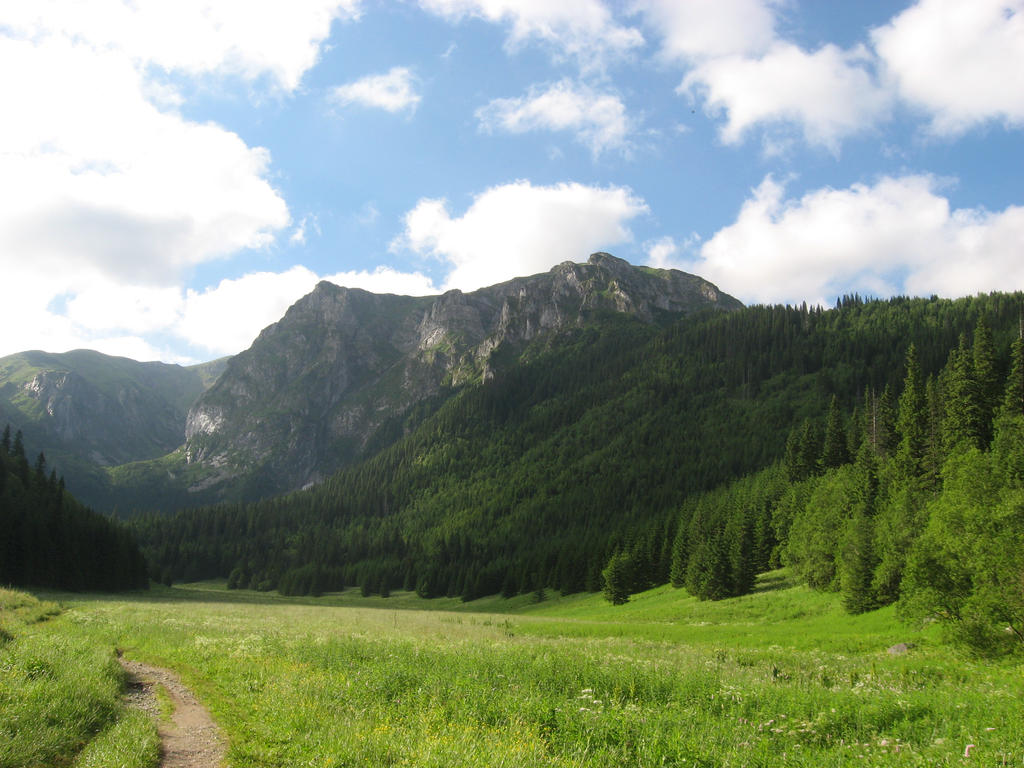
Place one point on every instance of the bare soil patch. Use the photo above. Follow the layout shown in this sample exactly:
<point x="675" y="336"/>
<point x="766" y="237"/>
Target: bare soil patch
<point x="191" y="739"/>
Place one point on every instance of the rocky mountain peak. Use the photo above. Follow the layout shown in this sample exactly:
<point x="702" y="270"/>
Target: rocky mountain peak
<point x="315" y="387"/>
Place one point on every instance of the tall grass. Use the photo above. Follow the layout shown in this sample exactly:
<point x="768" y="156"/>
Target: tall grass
<point x="780" y="678"/>
<point x="58" y="689"/>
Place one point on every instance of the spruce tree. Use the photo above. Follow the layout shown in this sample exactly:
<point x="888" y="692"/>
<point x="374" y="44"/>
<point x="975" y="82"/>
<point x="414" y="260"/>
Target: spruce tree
<point x="857" y="557"/>
<point x="707" y="574"/>
<point x="911" y="420"/>
<point x="680" y="558"/>
<point x="986" y="377"/>
<point x="878" y="420"/>
<point x="834" y="451"/>
<point x="739" y="539"/>
<point x="20" y="460"/>
<point x="931" y="462"/>
<point x="617" y="577"/>
<point x="962" y="423"/>
<point x="1013" y="399"/>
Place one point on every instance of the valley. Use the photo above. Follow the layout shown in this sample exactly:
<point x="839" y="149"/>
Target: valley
<point x="781" y="677"/>
<point x="594" y="517"/>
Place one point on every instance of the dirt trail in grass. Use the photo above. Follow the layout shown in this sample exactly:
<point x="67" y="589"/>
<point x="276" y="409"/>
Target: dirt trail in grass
<point x="191" y="739"/>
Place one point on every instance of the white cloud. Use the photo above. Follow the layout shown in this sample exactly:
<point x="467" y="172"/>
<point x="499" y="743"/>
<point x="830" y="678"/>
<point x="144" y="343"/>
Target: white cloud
<point x="701" y="29"/>
<point x="95" y="174"/>
<point x="394" y="91"/>
<point x="830" y="93"/>
<point x="598" y="120"/>
<point x="962" y="62"/>
<point x="519" y="229"/>
<point x="386" y="280"/>
<point x="667" y="253"/>
<point x="896" y="236"/>
<point x="226" y="318"/>
<point x="109" y="193"/>
<point x="581" y="29"/>
<point x="248" y="38"/>
<point x="744" y="71"/>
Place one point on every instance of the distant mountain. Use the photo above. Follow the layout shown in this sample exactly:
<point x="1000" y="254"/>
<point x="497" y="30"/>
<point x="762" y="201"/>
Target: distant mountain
<point x="315" y="390"/>
<point x="92" y="410"/>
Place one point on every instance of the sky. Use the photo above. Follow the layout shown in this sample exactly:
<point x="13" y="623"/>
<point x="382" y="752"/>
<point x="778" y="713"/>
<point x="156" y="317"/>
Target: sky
<point x="176" y="173"/>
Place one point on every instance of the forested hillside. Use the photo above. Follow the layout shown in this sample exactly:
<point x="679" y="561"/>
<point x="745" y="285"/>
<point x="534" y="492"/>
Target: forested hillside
<point x="602" y="450"/>
<point x="48" y="539"/>
<point x="94" y="411"/>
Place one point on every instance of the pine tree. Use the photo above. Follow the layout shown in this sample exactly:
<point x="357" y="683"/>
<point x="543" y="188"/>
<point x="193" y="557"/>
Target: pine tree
<point x="857" y="565"/>
<point x="617" y="577"/>
<point x="680" y="558"/>
<point x="803" y="450"/>
<point x="911" y="420"/>
<point x="707" y="574"/>
<point x="857" y="558"/>
<point x="834" y="452"/>
<point x="931" y="462"/>
<point x="5" y="443"/>
<point x="20" y="460"/>
<point x="739" y="539"/>
<point x="1013" y="399"/>
<point x="879" y="420"/>
<point x="962" y="423"/>
<point x="986" y="377"/>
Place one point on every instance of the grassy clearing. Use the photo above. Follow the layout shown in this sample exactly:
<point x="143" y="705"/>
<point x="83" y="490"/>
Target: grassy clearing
<point x="782" y="677"/>
<point x="60" y="695"/>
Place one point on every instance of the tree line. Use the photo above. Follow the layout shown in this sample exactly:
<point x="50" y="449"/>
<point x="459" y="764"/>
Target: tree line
<point x="916" y="500"/>
<point x="661" y="451"/>
<point x="48" y="539"/>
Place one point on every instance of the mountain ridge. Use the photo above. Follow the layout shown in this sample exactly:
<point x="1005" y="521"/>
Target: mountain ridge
<point x="323" y="387"/>
<point x="342" y="361"/>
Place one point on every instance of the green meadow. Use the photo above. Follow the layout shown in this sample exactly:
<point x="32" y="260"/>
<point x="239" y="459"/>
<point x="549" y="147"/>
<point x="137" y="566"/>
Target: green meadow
<point x="781" y="677"/>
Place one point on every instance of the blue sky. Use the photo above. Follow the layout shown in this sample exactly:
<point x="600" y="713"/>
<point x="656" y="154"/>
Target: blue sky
<point x="178" y="173"/>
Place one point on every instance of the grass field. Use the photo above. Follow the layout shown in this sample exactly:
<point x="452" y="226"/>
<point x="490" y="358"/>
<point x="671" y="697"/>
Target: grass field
<point x="780" y="677"/>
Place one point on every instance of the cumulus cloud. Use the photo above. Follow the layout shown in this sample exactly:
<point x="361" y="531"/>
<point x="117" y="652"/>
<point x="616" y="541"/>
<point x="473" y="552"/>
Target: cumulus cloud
<point x="110" y="194"/>
<point x="520" y="229"/>
<point x="668" y="253"/>
<point x="703" y="29"/>
<point x="584" y="30"/>
<point x="234" y="37"/>
<point x="598" y="120"/>
<point x="96" y="175"/>
<point x="898" y="235"/>
<point x="952" y="60"/>
<point x="393" y="91"/>
<point x="744" y="71"/>
<point x="957" y="61"/>
<point x="386" y="280"/>
<point x="830" y="94"/>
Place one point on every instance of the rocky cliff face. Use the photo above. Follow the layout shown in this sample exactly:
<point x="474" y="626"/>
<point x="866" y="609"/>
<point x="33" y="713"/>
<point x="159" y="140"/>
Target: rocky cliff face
<point x="315" y="388"/>
<point x="106" y="410"/>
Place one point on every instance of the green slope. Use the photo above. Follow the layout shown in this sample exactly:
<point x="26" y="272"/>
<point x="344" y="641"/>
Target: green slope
<point x="589" y="442"/>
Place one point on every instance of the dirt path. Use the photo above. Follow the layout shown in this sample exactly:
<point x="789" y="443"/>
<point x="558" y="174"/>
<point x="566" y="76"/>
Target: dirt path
<point x="191" y="739"/>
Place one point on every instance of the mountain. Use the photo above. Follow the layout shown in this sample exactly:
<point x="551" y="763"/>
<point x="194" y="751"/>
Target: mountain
<point x="92" y="410"/>
<point x="639" y="445"/>
<point x="318" y="390"/>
